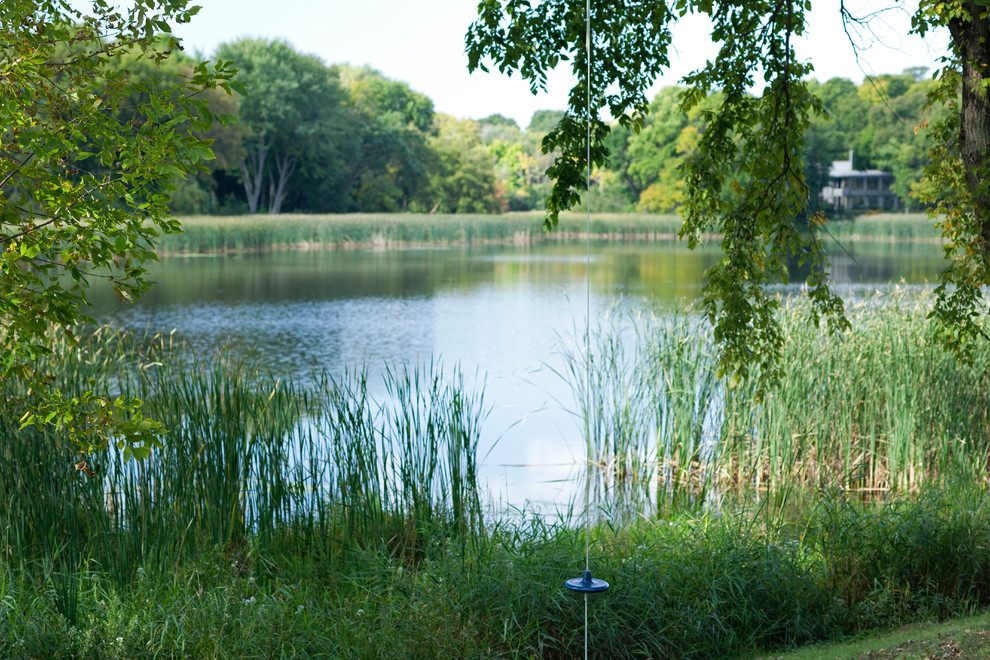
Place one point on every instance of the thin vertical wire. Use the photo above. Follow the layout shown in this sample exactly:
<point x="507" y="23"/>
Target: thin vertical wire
<point x="587" y="311"/>
<point x="585" y="626"/>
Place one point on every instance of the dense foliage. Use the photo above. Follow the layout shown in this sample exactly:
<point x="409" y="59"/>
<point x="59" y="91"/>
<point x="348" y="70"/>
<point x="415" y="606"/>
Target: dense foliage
<point x="370" y="144"/>
<point x="335" y="139"/>
<point x="373" y="145"/>
<point x="96" y="125"/>
<point x="746" y="177"/>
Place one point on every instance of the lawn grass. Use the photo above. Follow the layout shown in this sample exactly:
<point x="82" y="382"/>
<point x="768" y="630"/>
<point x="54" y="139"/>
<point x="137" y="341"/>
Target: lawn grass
<point x="964" y="637"/>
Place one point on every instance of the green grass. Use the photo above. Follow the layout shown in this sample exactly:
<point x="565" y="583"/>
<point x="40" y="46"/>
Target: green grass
<point x="206" y="234"/>
<point x="886" y="227"/>
<point x="965" y="637"/>
<point x="282" y="520"/>
<point x="880" y="408"/>
<point x="262" y="232"/>
<point x="686" y="587"/>
<point x="246" y="457"/>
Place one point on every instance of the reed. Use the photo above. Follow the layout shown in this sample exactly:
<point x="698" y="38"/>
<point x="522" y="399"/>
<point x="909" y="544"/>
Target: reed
<point x="209" y="234"/>
<point x="393" y="475"/>
<point x="255" y="233"/>
<point x="324" y="520"/>
<point x="248" y="460"/>
<point x="879" y="408"/>
<point x="646" y="398"/>
<point x="886" y="227"/>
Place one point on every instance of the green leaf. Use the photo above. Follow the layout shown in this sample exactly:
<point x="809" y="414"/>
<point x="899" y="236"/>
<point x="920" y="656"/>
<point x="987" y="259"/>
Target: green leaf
<point x="106" y="108"/>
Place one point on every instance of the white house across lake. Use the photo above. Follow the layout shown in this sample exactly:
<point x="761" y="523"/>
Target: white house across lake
<point x="850" y="189"/>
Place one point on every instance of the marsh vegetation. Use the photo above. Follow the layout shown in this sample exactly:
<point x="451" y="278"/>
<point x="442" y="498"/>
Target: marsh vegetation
<point x="206" y="234"/>
<point x="319" y="518"/>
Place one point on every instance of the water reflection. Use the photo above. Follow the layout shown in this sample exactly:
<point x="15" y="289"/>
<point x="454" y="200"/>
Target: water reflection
<point x="506" y="311"/>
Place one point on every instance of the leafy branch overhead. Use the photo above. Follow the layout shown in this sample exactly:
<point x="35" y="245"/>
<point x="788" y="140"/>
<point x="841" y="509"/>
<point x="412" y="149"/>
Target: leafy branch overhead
<point x="745" y="177"/>
<point x="89" y="155"/>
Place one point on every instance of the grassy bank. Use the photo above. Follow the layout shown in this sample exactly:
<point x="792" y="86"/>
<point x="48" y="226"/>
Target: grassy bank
<point x="234" y="233"/>
<point x="886" y="226"/>
<point x="261" y="232"/>
<point x="290" y="520"/>
<point x="688" y="587"/>
<point x="965" y="637"/>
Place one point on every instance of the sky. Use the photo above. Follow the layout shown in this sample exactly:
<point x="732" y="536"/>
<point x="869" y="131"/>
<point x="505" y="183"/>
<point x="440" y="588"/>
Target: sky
<point x="421" y="42"/>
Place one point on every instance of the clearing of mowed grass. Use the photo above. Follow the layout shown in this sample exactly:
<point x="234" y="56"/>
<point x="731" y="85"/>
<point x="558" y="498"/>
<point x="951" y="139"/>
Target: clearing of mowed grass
<point x="965" y="637"/>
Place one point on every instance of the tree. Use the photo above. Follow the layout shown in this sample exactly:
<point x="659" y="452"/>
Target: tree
<point x="878" y="121"/>
<point x="195" y="193"/>
<point x="896" y="146"/>
<point x="657" y="152"/>
<point x="499" y="120"/>
<point x="321" y="182"/>
<point x="85" y="178"/>
<point x="498" y="128"/>
<point x="462" y="173"/>
<point x="832" y="134"/>
<point x="288" y="99"/>
<point x="389" y="167"/>
<point x="746" y="180"/>
<point x="544" y="121"/>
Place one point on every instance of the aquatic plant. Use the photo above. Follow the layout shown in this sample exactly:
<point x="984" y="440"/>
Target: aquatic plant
<point x="878" y="408"/>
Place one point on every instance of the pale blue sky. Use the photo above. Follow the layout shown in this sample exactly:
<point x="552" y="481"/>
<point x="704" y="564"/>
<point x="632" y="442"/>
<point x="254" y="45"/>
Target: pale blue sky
<point x="421" y="42"/>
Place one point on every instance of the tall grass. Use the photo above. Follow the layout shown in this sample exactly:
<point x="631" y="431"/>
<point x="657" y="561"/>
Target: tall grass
<point x="879" y="408"/>
<point x="886" y="226"/>
<point x="280" y="519"/>
<point x="237" y="233"/>
<point x="646" y="398"/>
<point x="207" y="234"/>
<point x="248" y="461"/>
<point x="698" y="586"/>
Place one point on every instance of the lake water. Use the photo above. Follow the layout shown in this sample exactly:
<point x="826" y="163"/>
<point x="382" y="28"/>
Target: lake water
<point x="501" y="310"/>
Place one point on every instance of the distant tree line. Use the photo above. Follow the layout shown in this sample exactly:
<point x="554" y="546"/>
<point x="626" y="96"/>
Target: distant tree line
<point x="318" y="138"/>
<point x="877" y="120"/>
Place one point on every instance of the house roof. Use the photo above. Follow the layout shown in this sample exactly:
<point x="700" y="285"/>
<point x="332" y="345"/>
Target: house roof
<point x="861" y="174"/>
<point x="843" y="169"/>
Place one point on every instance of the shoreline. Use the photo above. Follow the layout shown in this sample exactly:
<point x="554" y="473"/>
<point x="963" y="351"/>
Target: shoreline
<point x="256" y="234"/>
<point x="389" y="244"/>
<point x="392" y="244"/>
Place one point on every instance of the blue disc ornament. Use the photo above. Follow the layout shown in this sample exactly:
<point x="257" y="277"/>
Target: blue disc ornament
<point x="586" y="584"/>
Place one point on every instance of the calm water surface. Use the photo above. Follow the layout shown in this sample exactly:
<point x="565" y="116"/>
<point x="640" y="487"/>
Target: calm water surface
<point x="502" y="310"/>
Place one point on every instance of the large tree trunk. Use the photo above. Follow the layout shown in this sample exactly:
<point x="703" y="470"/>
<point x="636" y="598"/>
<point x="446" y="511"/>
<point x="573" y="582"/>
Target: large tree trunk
<point x="972" y="37"/>
<point x="253" y="170"/>
<point x="284" y="166"/>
